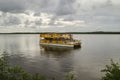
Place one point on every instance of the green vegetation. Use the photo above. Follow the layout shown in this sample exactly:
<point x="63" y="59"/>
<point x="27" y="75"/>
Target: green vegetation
<point x="112" y="72"/>
<point x="70" y="76"/>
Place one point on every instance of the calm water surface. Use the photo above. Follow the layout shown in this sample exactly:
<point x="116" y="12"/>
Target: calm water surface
<point x="86" y="63"/>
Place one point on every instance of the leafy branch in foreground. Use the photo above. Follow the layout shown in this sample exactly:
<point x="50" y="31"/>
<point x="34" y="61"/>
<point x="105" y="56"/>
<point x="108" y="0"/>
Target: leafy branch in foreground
<point x="112" y="72"/>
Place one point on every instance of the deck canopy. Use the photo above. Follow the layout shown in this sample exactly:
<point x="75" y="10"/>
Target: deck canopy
<point x="55" y="36"/>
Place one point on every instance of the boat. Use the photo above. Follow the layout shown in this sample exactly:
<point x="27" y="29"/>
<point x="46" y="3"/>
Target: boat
<point x="59" y="40"/>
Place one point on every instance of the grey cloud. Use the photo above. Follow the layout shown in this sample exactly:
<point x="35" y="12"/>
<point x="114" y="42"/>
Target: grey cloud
<point x="53" y="19"/>
<point x="13" y="20"/>
<point x="18" y="6"/>
<point x="12" y="5"/>
<point x="108" y="10"/>
<point x="70" y="18"/>
<point x="48" y="6"/>
<point x="58" y="7"/>
<point x="9" y="20"/>
<point x="27" y="22"/>
<point x="37" y="14"/>
<point x="66" y="7"/>
<point x="38" y="22"/>
<point x="108" y="3"/>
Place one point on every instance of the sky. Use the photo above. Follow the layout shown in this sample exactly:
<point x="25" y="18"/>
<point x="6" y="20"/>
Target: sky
<point x="59" y="15"/>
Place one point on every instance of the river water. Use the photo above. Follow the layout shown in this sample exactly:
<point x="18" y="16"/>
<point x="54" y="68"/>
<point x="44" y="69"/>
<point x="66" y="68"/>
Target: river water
<point x="86" y="63"/>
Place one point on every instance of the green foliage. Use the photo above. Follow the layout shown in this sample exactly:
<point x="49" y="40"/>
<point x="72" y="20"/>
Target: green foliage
<point x="70" y="76"/>
<point x="112" y="72"/>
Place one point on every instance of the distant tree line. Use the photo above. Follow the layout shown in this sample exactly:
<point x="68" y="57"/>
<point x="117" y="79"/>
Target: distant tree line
<point x="94" y="32"/>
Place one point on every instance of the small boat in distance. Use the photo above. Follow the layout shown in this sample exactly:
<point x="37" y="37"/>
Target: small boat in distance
<point x="59" y="40"/>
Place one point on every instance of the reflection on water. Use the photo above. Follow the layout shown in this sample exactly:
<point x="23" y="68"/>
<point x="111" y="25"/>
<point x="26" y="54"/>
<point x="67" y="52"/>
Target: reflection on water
<point x="86" y="63"/>
<point x="55" y="54"/>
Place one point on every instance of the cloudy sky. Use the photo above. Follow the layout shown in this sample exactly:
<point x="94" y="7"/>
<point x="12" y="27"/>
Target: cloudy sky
<point x="59" y="15"/>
